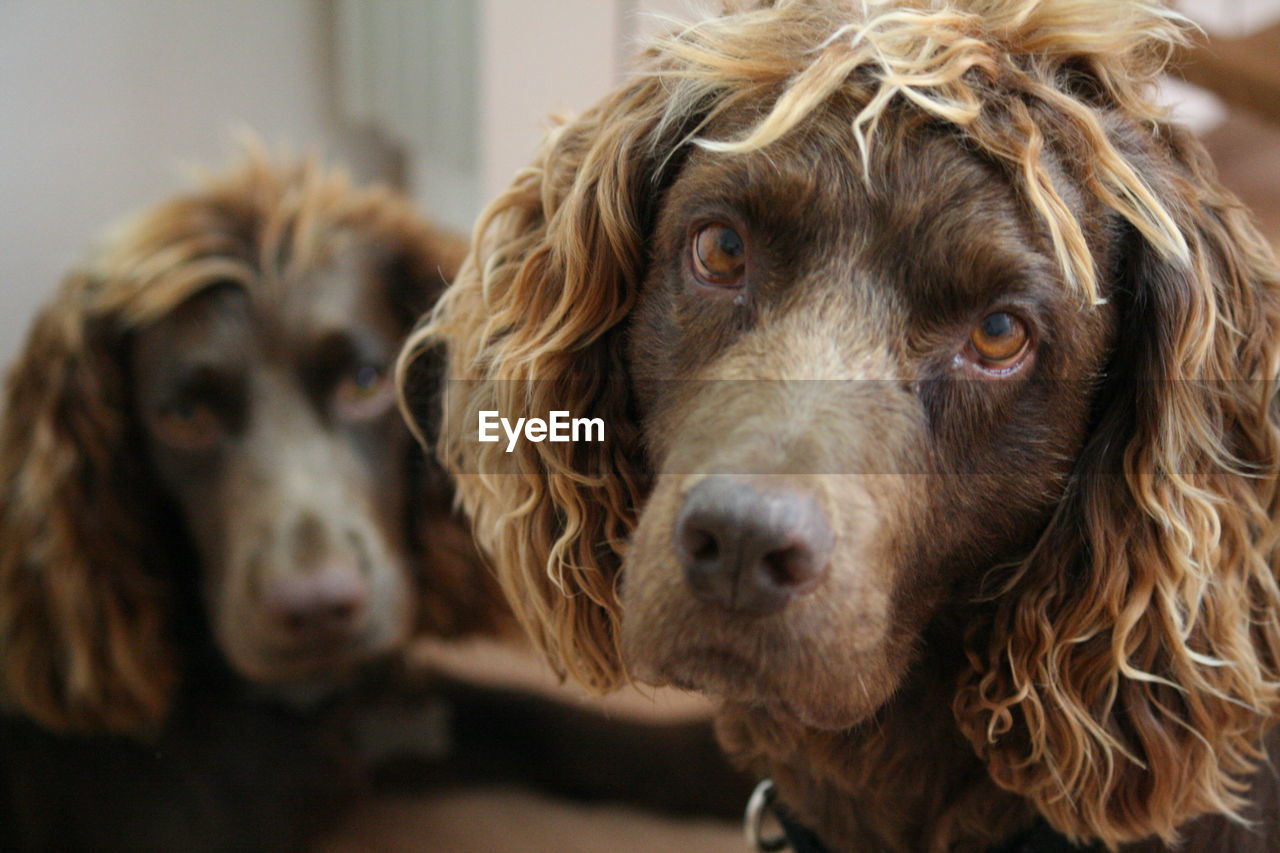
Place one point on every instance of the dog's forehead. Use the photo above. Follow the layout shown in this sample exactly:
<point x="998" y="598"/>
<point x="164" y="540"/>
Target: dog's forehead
<point x="913" y="174"/>
<point x="269" y="320"/>
<point x="347" y="288"/>
<point x="213" y="325"/>
<point x="338" y="291"/>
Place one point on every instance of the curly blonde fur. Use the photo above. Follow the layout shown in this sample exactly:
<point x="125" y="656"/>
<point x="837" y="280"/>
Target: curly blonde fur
<point x="1144" y="696"/>
<point x="1129" y="665"/>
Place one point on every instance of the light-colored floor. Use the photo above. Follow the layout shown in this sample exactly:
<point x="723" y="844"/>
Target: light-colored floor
<point x="505" y="821"/>
<point x="504" y="664"/>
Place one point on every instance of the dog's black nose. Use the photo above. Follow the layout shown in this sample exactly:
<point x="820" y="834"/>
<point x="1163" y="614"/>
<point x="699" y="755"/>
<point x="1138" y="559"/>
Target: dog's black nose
<point x="750" y="547"/>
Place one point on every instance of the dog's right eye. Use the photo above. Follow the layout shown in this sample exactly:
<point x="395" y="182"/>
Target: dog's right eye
<point x="187" y="425"/>
<point x="365" y="393"/>
<point x="719" y="256"/>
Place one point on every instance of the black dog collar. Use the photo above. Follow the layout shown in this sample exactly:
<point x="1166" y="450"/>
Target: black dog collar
<point x="796" y="837"/>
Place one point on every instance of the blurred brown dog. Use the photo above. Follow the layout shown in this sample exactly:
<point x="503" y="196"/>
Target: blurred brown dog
<point x="214" y="522"/>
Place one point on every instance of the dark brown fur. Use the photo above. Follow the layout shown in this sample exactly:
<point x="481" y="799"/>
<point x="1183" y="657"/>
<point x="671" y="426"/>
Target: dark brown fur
<point x="1053" y="589"/>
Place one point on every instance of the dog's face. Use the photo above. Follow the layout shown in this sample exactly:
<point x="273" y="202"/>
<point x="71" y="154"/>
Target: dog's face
<point x="271" y="421"/>
<point x="202" y="452"/>
<point x="856" y="395"/>
<point x="927" y="345"/>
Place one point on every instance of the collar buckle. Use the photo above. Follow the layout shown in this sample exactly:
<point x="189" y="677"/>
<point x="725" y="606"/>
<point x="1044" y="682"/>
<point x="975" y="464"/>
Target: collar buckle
<point x="759" y="807"/>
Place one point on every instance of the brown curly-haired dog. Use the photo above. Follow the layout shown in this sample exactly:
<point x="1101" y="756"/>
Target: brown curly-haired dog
<point x="1009" y="563"/>
<point x="213" y="518"/>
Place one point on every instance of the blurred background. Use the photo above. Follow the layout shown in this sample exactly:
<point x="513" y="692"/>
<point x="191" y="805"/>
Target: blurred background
<point x="107" y="105"/>
<point x="104" y="104"/>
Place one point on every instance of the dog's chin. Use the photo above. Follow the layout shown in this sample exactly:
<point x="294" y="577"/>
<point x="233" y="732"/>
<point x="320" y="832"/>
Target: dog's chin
<point x="725" y="674"/>
<point x="313" y="667"/>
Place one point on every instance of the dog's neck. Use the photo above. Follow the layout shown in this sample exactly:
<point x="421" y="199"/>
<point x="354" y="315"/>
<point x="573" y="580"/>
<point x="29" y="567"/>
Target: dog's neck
<point x="906" y="780"/>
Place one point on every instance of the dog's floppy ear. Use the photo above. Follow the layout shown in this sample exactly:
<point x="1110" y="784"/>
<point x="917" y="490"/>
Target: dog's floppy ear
<point x="532" y="326"/>
<point x="1133" y="662"/>
<point x="83" y="643"/>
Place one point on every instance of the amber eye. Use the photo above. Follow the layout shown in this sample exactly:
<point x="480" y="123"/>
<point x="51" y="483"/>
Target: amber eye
<point x="187" y="425"/>
<point x="999" y="339"/>
<point x="719" y="255"/>
<point x="363" y="393"/>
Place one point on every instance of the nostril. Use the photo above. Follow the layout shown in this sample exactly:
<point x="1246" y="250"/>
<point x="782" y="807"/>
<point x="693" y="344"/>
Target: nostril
<point x="782" y="566"/>
<point x="322" y="617"/>
<point x="795" y="567"/>
<point x="701" y="545"/>
<point x="340" y="611"/>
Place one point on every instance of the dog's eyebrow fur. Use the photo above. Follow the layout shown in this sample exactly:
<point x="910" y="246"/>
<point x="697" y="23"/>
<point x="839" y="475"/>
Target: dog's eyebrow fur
<point x="261" y="226"/>
<point x="947" y="58"/>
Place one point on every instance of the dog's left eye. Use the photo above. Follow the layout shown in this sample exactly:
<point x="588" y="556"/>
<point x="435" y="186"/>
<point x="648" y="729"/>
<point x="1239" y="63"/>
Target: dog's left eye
<point x="719" y="256"/>
<point x="187" y="425"/>
<point x="999" y="340"/>
<point x="363" y="393"/>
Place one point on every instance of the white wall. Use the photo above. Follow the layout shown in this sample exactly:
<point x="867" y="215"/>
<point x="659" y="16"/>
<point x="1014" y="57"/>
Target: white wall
<point x="101" y="104"/>
<point x="1231" y="18"/>
<point x="539" y="58"/>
